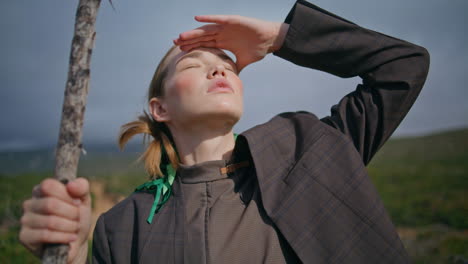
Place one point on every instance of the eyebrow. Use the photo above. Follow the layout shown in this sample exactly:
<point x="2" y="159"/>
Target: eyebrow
<point x="198" y="54"/>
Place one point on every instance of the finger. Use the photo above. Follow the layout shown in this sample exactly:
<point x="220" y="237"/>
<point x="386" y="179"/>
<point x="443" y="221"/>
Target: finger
<point x="78" y="188"/>
<point x="27" y="205"/>
<point x="54" y="188"/>
<point x="40" y="236"/>
<point x="205" y="30"/>
<point x="36" y="191"/>
<point x="240" y="67"/>
<point x="206" y="44"/>
<point x="24" y="239"/>
<point x="51" y="222"/>
<point x="217" y="19"/>
<point x="194" y="40"/>
<point x="52" y="206"/>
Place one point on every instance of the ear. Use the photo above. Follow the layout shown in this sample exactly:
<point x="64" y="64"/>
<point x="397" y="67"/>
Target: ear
<point x="158" y="110"/>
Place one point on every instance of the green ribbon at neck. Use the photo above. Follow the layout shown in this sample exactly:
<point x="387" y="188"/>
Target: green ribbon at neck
<point x="161" y="187"/>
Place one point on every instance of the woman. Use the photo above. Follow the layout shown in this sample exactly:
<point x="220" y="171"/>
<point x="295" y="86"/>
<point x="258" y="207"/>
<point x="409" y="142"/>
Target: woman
<point x="294" y="189"/>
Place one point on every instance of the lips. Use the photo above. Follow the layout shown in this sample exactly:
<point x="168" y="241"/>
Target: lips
<point x="220" y="86"/>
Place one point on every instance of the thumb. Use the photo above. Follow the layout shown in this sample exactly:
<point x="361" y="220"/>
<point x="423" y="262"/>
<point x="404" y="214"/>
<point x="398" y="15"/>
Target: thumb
<point x="79" y="189"/>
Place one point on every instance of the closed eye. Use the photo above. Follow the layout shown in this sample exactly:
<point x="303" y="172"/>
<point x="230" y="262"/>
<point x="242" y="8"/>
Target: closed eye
<point x="190" y="66"/>
<point x="229" y="67"/>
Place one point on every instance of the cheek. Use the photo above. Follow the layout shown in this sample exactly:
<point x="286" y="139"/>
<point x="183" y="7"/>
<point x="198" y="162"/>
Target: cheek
<point x="182" y="85"/>
<point x="239" y="85"/>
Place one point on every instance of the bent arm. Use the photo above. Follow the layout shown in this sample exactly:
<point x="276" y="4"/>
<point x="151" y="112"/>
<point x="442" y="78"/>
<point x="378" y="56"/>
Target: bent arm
<point x="392" y="71"/>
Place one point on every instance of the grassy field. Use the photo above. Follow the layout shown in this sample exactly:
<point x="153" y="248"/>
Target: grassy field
<point x="423" y="182"/>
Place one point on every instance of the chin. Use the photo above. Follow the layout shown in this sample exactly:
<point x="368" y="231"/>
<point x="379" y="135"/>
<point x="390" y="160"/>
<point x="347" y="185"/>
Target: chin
<point x="228" y="108"/>
<point x="227" y="116"/>
<point x="214" y="113"/>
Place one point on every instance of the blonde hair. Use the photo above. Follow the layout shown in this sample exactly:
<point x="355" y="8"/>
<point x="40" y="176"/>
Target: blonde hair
<point x="157" y="132"/>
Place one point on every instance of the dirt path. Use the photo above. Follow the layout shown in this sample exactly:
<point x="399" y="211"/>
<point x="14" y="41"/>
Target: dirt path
<point x="435" y="244"/>
<point x="102" y="202"/>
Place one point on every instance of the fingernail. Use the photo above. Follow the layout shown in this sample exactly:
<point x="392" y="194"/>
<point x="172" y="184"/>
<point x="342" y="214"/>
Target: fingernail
<point x="76" y="201"/>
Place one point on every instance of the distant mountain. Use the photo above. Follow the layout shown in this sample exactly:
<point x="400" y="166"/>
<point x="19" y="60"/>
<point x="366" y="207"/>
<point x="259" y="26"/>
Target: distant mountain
<point x="95" y="156"/>
<point x="103" y="157"/>
<point x="451" y="144"/>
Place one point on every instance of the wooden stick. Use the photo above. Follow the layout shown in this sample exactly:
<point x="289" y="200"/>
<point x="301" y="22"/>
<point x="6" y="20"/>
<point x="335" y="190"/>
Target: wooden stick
<point x="74" y="104"/>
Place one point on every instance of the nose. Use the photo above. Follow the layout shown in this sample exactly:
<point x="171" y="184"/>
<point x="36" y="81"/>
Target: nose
<point x="217" y="71"/>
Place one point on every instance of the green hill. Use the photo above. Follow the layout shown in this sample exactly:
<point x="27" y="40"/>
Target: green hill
<point x="423" y="182"/>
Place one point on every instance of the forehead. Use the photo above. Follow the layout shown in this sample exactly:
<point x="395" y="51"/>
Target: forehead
<point x="178" y="55"/>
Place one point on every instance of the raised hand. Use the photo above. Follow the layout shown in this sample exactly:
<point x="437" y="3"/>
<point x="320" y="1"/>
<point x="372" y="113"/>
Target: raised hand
<point x="248" y="38"/>
<point x="58" y="213"/>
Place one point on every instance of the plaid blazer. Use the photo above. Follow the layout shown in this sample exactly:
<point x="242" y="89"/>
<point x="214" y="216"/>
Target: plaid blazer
<point x="311" y="172"/>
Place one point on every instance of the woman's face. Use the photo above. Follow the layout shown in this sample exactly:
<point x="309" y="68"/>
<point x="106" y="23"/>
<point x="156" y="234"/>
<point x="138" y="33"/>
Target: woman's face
<point x="202" y="85"/>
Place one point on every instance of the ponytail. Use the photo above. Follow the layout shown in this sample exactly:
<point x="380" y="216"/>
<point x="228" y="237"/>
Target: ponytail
<point x="160" y="151"/>
<point x="154" y="154"/>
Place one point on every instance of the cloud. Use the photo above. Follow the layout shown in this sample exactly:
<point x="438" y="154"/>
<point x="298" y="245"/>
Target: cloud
<point x="132" y="39"/>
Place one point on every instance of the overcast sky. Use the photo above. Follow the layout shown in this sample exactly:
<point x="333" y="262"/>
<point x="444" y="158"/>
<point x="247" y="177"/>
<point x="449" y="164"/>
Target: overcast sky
<point x="36" y="39"/>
